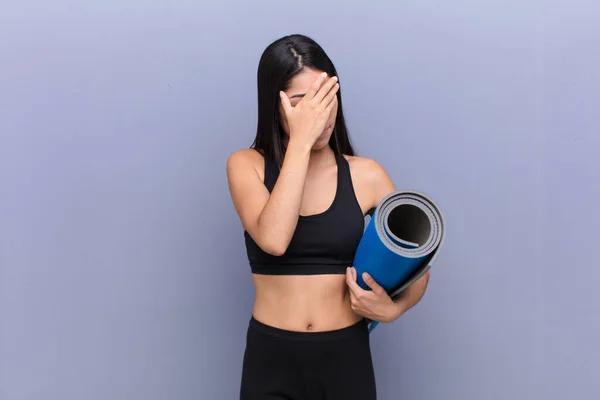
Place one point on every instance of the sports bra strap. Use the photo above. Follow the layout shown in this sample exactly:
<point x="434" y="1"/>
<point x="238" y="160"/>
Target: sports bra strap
<point x="271" y="173"/>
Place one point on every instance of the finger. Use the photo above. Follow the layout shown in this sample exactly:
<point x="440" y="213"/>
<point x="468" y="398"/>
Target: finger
<point x="314" y="88"/>
<point x="325" y="89"/>
<point x="358" y="291"/>
<point x="285" y="102"/>
<point x="349" y="279"/>
<point x="353" y="299"/>
<point x="355" y="302"/>
<point x="329" y="108"/>
<point x="328" y="100"/>
<point x="351" y="282"/>
<point x="375" y="287"/>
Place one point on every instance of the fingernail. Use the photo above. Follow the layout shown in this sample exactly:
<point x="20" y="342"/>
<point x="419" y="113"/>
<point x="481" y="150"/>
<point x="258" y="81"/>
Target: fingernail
<point x="324" y="74"/>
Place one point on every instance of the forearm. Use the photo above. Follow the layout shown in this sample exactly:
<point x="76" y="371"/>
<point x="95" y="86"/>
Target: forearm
<point x="279" y="217"/>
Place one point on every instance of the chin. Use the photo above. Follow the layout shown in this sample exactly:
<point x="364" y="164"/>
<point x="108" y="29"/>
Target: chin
<point x="321" y="143"/>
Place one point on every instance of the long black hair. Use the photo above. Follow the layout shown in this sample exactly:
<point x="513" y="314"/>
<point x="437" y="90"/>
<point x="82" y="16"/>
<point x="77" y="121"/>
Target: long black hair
<point x="279" y="63"/>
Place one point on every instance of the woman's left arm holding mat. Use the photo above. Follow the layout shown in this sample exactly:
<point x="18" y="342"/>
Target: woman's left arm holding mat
<point x="376" y="304"/>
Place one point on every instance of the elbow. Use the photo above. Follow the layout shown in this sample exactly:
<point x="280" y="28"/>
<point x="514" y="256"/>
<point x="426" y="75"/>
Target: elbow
<point x="271" y="241"/>
<point x="275" y="248"/>
<point x="276" y="253"/>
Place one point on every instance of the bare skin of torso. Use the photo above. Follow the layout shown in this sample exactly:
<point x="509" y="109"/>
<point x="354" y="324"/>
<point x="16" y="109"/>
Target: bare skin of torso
<point x="318" y="302"/>
<point x="303" y="303"/>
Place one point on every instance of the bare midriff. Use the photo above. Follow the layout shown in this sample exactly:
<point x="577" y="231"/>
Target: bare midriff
<point x="304" y="303"/>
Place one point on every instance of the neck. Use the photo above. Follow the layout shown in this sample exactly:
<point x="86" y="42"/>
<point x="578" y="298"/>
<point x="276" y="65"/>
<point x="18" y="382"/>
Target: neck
<point x="321" y="157"/>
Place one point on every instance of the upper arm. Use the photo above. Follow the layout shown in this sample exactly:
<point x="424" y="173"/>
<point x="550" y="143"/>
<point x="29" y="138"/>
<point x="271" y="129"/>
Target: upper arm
<point x="371" y="182"/>
<point x="374" y="180"/>
<point x="382" y="184"/>
<point x="248" y="192"/>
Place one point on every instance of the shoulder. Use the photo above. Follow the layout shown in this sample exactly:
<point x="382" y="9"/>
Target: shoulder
<point x="245" y="160"/>
<point x="245" y="156"/>
<point x="368" y="171"/>
<point x="370" y="176"/>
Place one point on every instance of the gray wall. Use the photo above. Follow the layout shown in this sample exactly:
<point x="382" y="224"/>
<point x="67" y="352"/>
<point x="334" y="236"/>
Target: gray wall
<point x="122" y="269"/>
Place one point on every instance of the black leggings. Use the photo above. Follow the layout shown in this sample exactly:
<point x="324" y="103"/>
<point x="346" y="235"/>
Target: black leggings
<point x="281" y="364"/>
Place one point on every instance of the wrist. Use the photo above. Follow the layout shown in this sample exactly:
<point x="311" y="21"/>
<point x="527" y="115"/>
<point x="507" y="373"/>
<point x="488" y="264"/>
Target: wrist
<point x="299" y="146"/>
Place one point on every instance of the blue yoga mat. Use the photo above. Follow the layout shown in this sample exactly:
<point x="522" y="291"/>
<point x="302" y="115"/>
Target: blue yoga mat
<point x="400" y="242"/>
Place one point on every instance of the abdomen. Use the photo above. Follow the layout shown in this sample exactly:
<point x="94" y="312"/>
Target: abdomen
<point x="303" y="303"/>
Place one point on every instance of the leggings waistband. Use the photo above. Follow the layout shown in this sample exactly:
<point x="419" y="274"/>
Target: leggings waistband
<point x="355" y="329"/>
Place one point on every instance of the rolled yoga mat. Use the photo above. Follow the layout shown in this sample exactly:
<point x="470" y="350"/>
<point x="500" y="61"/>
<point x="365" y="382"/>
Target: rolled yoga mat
<point x="400" y="242"/>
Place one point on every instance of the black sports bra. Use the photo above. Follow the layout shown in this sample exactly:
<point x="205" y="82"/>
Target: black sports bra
<point x="322" y="243"/>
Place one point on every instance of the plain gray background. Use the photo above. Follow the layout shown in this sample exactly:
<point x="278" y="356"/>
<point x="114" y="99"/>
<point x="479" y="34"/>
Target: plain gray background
<point x="122" y="269"/>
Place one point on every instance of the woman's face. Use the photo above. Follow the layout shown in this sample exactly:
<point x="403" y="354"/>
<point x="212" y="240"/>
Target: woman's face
<point x="299" y="85"/>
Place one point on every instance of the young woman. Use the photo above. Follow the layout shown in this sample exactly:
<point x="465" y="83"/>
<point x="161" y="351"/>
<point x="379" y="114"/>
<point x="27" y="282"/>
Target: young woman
<point x="302" y="195"/>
